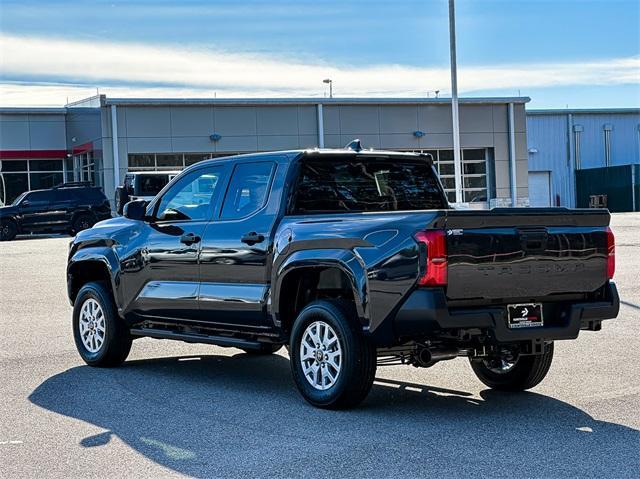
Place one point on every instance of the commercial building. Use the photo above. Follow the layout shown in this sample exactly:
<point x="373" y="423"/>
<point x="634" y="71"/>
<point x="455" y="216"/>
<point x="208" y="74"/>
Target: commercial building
<point x="100" y="138"/>
<point x="563" y="144"/>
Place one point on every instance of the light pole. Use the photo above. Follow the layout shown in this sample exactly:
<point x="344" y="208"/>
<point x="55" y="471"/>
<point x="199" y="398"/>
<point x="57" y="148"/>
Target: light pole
<point x="330" y="82"/>
<point x="457" y="163"/>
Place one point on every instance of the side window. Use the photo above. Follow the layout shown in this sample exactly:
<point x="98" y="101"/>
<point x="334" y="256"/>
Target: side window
<point x="93" y="195"/>
<point x="60" y="196"/>
<point x="248" y="189"/>
<point x="78" y="194"/>
<point x="38" y="198"/>
<point x="191" y="197"/>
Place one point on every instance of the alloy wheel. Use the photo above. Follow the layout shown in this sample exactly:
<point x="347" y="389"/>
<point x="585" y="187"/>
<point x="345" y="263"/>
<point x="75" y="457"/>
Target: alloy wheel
<point x="321" y="355"/>
<point x="92" y="325"/>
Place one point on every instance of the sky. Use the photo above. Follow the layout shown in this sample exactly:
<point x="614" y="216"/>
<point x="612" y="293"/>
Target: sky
<point x="560" y="53"/>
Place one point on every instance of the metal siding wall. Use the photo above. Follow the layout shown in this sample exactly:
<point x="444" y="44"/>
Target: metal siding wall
<point x="83" y="124"/>
<point x="32" y="131"/>
<point x="624" y="139"/>
<point x="548" y="135"/>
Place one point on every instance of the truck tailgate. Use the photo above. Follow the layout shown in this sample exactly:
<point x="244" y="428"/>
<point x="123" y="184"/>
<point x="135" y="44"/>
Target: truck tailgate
<point x="525" y="253"/>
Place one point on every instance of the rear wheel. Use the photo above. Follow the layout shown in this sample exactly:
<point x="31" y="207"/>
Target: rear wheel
<point x="332" y="363"/>
<point x="83" y="221"/>
<point x="101" y="336"/>
<point x="514" y="374"/>
<point x="8" y="230"/>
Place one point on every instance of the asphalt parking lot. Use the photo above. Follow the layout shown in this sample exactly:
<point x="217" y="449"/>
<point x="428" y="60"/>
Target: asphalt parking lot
<point x="176" y="409"/>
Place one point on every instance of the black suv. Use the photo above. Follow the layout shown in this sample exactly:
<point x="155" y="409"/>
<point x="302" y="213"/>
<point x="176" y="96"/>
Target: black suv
<point x="70" y="207"/>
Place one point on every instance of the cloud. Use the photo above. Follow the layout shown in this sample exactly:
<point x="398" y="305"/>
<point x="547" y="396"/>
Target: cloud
<point x="141" y="69"/>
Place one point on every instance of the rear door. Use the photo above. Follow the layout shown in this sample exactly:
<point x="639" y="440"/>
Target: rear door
<point x="539" y="189"/>
<point x="235" y="248"/>
<point x="61" y="209"/>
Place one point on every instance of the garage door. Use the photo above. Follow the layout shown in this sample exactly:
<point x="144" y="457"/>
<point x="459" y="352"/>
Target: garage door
<point x="539" y="188"/>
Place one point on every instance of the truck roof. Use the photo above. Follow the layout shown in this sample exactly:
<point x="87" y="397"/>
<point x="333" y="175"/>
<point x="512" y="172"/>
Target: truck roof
<point x="353" y="148"/>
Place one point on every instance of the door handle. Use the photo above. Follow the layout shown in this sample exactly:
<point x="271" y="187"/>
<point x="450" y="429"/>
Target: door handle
<point x="189" y="239"/>
<point x="252" y="238"/>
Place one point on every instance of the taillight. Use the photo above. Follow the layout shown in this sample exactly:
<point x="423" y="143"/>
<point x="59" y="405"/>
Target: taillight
<point x="611" y="253"/>
<point x="435" y="271"/>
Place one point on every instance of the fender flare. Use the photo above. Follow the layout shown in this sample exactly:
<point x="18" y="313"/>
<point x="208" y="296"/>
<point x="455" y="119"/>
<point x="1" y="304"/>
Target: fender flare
<point x="346" y="261"/>
<point x="101" y="254"/>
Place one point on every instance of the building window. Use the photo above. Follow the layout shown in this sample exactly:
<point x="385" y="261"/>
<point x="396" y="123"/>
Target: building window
<point x="474" y="173"/>
<point x="142" y="162"/>
<point x="168" y="161"/>
<point x="42" y="181"/>
<point x="21" y="175"/>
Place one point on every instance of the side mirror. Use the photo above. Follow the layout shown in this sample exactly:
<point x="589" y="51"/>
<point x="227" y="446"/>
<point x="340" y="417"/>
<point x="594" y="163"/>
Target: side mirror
<point x="135" y="210"/>
<point x="25" y="203"/>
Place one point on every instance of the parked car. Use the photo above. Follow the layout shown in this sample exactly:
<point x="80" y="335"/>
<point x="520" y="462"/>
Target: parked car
<point x="67" y="208"/>
<point x="141" y="186"/>
<point x="351" y="259"/>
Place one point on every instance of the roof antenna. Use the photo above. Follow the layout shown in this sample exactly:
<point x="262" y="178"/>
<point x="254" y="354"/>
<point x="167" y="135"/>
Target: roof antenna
<point x="354" y="145"/>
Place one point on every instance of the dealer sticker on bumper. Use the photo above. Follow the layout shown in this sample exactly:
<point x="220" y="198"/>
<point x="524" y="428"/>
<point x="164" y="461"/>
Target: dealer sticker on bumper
<point x="525" y="315"/>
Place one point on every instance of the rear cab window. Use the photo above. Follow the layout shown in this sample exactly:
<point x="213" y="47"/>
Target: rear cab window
<point x="366" y="184"/>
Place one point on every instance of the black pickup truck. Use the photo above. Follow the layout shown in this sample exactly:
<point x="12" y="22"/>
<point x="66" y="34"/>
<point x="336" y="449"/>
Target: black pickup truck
<point x="349" y="258"/>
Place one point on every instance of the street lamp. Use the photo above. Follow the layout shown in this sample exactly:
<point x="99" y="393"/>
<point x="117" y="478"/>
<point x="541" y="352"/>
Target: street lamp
<point x="330" y="82"/>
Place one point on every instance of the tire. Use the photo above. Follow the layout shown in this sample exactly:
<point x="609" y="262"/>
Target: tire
<point x="337" y="388"/>
<point x="108" y="326"/>
<point x="8" y="230"/>
<point x="526" y="372"/>
<point x="81" y="222"/>
<point x="265" y="350"/>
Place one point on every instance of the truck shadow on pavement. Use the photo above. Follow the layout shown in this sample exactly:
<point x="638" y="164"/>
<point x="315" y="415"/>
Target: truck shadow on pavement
<point x="241" y="416"/>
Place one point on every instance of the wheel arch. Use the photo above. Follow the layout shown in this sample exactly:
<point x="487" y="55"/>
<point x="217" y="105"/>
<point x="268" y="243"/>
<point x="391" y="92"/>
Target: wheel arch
<point x="82" y="212"/>
<point x="13" y="219"/>
<point x="93" y="265"/>
<point x="340" y="268"/>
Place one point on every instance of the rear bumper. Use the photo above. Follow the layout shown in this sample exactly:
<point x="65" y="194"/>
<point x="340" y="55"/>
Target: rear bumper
<point x="425" y="313"/>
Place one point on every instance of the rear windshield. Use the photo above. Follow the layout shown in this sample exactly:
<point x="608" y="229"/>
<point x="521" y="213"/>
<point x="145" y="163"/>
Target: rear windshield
<point x="366" y="184"/>
<point x="150" y="185"/>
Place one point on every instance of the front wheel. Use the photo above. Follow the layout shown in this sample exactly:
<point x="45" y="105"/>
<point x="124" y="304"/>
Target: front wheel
<point x="101" y="336"/>
<point x="82" y="222"/>
<point x="514" y="374"/>
<point x="332" y="363"/>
